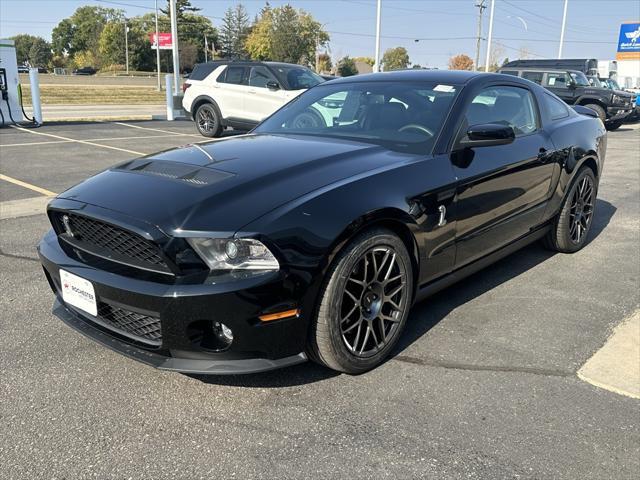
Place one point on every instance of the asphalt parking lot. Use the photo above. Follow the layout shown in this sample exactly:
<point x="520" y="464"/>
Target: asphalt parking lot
<point x="483" y="384"/>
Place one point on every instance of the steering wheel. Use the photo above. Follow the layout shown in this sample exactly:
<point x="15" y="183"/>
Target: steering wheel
<point x="415" y="126"/>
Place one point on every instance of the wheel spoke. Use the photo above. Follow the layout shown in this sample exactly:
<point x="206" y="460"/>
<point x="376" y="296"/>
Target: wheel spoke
<point x="391" y="264"/>
<point x="355" y="324"/>
<point x="366" y="338"/>
<point x="346" y="317"/>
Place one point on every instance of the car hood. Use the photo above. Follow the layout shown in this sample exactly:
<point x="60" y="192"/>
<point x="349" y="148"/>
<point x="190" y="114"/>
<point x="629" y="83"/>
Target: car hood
<point x="223" y="185"/>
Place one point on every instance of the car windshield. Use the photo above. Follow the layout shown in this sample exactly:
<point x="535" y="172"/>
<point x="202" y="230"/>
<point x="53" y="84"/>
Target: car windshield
<point x="298" y="78"/>
<point x="400" y="115"/>
<point x="580" y="79"/>
<point x="613" y="84"/>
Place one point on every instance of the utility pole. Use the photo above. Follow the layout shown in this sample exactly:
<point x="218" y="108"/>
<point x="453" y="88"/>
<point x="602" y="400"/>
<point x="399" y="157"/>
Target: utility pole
<point x="564" y="22"/>
<point x="481" y="7"/>
<point x="206" y="47"/>
<point x="493" y="8"/>
<point x="126" y="45"/>
<point x="158" y="49"/>
<point x="176" y="57"/>
<point x="376" y="65"/>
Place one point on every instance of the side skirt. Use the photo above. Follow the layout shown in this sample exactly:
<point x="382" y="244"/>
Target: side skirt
<point x="435" y="286"/>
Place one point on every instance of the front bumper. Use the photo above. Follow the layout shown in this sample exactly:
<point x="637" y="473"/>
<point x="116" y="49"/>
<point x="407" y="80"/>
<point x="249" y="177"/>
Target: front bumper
<point x="256" y="346"/>
<point x="618" y="113"/>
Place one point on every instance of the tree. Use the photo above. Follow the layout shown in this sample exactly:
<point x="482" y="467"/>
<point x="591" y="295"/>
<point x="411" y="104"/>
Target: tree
<point x="81" y="31"/>
<point x="461" y="62"/>
<point x="112" y="45"/>
<point x="285" y="34"/>
<point x="324" y="62"/>
<point x="395" y="59"/>
<point x="40" y="53"/>
<point x="234" y="31"/>
<point x="32" y="49"/>
<point x="368" y="60"/>
<point x="182" y="6"/>
<point x="347" y="67"/>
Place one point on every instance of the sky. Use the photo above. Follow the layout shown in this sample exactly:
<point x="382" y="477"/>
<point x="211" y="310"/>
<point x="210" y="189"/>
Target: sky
<point x="431" y="30"/>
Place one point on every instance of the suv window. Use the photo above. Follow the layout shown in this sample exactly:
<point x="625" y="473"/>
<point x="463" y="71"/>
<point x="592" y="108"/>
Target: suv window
<point x="233" y="75"/>
<point x="558" y="80"/>
<point x="259" y="77"/>
<point x="511" y="106"/>
<point x="557" y="108"/>
<point x="535" y="77"/>
<point x="510" y="72"/>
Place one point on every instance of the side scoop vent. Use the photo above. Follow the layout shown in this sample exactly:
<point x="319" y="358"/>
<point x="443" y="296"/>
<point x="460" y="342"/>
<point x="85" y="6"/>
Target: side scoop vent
<point x="184" y="172"/>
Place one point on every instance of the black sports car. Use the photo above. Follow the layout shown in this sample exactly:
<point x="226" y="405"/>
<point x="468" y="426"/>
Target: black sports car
<point x="312" y="236"/>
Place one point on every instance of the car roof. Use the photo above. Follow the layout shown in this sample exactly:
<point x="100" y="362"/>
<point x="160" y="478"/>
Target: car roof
<point x="450" y="77"/>
<point x="250" y="62"/>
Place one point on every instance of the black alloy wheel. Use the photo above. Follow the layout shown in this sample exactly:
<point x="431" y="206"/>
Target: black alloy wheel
<point x="569" y="232"/>
<point x="371" y="302"/>
<point x="208" y="121"/>
<point x="581" y="210"/>
<point x="365" y="303"/>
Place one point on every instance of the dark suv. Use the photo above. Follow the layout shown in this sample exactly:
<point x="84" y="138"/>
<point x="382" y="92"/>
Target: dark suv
<point x="573" y="87"/>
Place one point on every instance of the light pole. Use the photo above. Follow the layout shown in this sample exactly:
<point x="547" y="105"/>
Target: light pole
<point x="564" y="22"/>
<point x="126" y="45"/>
<point x="176" y="58"/>
<point x="481" y="6"/>
<point x="158" y="49"/>
<point x="488" y="59"/>
<point x="376" y="65"/>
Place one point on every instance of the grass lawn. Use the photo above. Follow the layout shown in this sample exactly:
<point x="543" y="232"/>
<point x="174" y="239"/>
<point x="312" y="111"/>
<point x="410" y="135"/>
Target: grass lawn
<point x="94" y="95"/>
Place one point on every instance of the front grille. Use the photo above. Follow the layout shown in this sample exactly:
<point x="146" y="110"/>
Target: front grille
<point x="107" y="240"/>
<point x="143" y="327"/>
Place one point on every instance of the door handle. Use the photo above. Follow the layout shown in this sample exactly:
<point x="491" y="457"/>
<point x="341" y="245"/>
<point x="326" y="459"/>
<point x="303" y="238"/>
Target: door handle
<point x="442" y="221"/>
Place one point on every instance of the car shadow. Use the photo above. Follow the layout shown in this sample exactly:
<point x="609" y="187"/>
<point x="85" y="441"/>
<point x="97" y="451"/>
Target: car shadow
<point x="424" y="316"/>
<point x="428" y="313"/>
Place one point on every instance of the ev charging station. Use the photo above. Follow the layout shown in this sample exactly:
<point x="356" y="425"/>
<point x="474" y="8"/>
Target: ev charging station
<point x="11" y="111"/>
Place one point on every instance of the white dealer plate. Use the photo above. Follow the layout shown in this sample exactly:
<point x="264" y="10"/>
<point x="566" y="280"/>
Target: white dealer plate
<point x="78" y="292"/>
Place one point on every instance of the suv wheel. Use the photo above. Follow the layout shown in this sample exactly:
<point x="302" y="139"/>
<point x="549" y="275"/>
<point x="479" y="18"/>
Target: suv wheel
<point x="208" y="120"/>
<point x="599" y="110"/>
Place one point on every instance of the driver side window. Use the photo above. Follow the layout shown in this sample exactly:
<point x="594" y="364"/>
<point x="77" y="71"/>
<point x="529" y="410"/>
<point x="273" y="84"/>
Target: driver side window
<point x="504" y="105"/>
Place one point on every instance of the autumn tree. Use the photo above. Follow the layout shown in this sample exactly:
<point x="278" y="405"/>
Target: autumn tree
<point x="461" y="62"/>
<point x="285" y="34"/>
<point x="347" y="67"/>
<point x="395" y="59"/>
<point x="81" y="31"/>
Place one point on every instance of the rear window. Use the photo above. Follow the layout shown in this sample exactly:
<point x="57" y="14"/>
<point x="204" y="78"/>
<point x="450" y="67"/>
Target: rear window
<point x="202" y="70"/>
<point x="556" y="107"/>
<point x="510" y="72"/>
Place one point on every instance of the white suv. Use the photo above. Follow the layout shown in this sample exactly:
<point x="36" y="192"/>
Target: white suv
<point x="223" y="94"/>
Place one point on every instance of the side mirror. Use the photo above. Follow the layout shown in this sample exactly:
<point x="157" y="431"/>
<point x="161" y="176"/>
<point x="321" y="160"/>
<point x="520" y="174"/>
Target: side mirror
<point x="487" y="135"/>
<point x="271" y="85"/>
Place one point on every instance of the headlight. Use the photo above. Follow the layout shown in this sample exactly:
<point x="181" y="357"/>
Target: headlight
<point x="235" y="253"/>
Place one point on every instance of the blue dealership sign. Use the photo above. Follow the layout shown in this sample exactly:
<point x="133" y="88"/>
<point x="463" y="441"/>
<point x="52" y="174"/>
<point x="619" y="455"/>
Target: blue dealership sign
<point x="629" y="41"/>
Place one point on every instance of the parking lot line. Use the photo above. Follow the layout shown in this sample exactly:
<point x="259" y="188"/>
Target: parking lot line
<point x="86" y="142"/>
<point x="157" y="130"/>
<point x="35" y="188"/>
<point x="53" y="142"/>
<point x="24" y="207"/>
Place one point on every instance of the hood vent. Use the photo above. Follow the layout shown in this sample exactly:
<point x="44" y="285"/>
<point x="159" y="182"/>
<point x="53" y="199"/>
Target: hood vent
<point x="184" y="172"/>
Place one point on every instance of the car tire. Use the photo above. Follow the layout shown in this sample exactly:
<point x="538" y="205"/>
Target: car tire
<point x="571" y="227"/>
<point x="208" y="121"/>
<point x="599" y="110"/>
<point x="614" y="125"/>
<point x="364" y="303"/>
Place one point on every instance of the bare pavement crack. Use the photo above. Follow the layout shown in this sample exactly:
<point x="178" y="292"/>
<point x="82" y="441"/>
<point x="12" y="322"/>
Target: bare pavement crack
<point x="18" y="257"/>
<point x="546" y="372"/>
